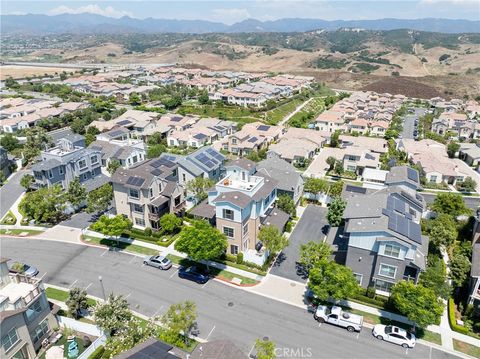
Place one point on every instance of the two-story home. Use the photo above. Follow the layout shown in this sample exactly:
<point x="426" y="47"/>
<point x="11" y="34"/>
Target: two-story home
<point x="65" y="162"/>
<point x="385" y="242"/>
<point x="146" y="191"/>
<point x="25" y="315"/>
<point x="252" y="137"/>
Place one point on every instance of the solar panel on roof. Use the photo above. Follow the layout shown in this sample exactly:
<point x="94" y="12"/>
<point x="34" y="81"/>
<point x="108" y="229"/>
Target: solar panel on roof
<point x="263" y="128"/>
<point x="157" y="172"/>
<point x="209" y="164"/>
<point x="176" y="119"/>
<point x="412" y="174"/>
<point x="199" y="136"/>
<point x="116" y="133"/>
<point x="399" y="206"/>
<point x="355" y="189"/>
<point x="253" y="139"/>
<point x="135" y="181"/>
<point x="124" y="122"/>
<point x="211" y="151"/>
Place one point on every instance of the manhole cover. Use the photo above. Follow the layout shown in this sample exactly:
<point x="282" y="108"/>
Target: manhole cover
<point x="292" y="284"/>
<point x="230" y="304"/>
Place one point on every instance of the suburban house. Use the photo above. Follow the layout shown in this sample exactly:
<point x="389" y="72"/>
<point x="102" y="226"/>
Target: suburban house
<point x="469" y="153"/>
<point x="384" y="238"/>
<point x="25" y="313"/>
<point x="6" y="164"/>
<point x="330" y="121"/>
<point x="474" y="295"/>
<point x="290" y="181"/>
<point x="146" y="191"/>
<point x="252" y="137"/>
<point x="69" y="160"/>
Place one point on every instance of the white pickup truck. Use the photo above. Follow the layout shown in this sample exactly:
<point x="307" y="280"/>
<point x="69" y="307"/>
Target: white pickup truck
<point x="336" y="316"/>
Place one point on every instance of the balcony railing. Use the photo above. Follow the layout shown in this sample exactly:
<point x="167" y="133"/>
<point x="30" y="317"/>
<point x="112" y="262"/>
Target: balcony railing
<point x="153" y="216"/>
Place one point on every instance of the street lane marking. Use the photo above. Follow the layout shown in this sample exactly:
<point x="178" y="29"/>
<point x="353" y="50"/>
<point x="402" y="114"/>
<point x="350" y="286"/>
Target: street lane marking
<point x="358" y="335"/>
<point x="203" y="286"/>
<point x="106" y="250"/>
<point x="88" y="286"/>
<point x="158" y="310"/>
<point x="71" y="285"/>
<point x="251" y="350"/>
<point x="319" y="325"/>
<point x="430" y="354"/>
<point x="131" y="260"/>
<point x="211" y="331"/>
<point x="406" y="351"/>
<point x="174" y="273"/>
<point x="128" y="295"/>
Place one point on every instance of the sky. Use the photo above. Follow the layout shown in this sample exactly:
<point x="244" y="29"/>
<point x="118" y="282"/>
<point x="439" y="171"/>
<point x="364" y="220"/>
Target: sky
<point x="229" y="11"/>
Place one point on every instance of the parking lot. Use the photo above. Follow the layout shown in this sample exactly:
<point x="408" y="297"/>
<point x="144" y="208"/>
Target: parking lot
<point x="312" y="226"/>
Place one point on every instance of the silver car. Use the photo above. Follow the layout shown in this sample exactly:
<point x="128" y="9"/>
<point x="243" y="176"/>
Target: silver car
<point x="158" y="262"/>
<point x="22" y="268"/>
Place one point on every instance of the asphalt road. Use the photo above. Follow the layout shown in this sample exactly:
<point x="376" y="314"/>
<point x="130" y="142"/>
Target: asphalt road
<point x="312" y="226"/>
<point x="470" y="202"/>
<point x="224" y="312"/>
<point x="409" y="122"/>
<point x="10" y="192"/>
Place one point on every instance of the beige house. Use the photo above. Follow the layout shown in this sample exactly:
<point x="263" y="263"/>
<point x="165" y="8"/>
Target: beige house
<point x="252" y="137"/>
<point x="26" y="318"/>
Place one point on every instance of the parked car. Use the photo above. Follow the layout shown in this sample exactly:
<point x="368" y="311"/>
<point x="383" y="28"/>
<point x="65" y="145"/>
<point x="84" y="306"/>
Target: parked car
<point x="393" y="334"/>
<point x="194" y="274"/>
<point x="336" y="316"/>
<point x="23" y="268"/>
<point x="158" y="262"/>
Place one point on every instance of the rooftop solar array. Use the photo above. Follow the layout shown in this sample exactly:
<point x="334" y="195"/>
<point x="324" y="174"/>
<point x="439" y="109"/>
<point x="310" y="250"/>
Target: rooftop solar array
<point x="162" y="162"/>
<point x="403" y="225"/>
<point x="176" y="119"/>
<point x="252" y="139"/>
<point x="116" y="133"/>
<point x="124" y="122"/>
<point x="169" y="158"/>
<point x="412" y="174"/>
<point x="135" y="181"/>
<point x="199" y="136"/>
<point x="263" y="128"/>
<point x="157" y="172"/>
<point x="355" y="189"/>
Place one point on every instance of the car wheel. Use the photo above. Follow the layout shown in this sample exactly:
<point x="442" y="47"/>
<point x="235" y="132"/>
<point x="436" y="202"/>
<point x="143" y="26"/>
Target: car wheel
<point x="379" y="337"/>
<point x="351" y="329"/>
<point x="405" y="345"/>
<point x="144" y="262"/>
<point x="321" y="320"/>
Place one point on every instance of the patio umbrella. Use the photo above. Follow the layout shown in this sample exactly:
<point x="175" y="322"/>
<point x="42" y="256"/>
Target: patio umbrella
<point x="55" y="352"/>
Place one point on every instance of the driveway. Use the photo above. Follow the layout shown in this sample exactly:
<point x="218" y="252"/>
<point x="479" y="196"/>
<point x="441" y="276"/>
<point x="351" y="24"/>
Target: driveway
<point x="409" y="122"/>
<point x="312" y="226"/>
<point x="11" y="191"/>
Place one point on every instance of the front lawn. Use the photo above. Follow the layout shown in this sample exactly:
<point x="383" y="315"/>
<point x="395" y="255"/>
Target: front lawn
<point x="127" y="247"/>
<point x="466" y="348"/>
<point x="9" y="218"/>
<point x="274" y="116"/>
<point x="62" y="296"/>
<point x="20" y="232"/>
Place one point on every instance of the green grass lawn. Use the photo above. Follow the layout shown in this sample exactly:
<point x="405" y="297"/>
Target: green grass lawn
<point x="466" y="348"/>
<point x="62" y="295"/>
<point x="308" y="113"/>
<point x="9" y="218"/>
<point x="274" y="116"/>
<point x="62" y="343"/>
<point x="120" y="245"/>
<point x="17" y="232"/>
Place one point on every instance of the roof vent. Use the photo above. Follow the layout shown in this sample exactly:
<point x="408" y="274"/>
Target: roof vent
<point x="236" y="197"/>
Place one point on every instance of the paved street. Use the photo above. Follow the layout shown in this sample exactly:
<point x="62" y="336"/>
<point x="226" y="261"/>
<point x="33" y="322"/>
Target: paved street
<point x="409" y="122"/>
<point x="10" y="192"/>
<point x="312" y="226"/>
<point x="470" y="202"/>
<point x="224" y="312"/>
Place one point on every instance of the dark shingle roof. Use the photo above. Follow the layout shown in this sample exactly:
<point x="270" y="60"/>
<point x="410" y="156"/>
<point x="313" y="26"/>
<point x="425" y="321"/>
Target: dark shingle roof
<point x="237" y="198"/>
<point x="243" y="162"/>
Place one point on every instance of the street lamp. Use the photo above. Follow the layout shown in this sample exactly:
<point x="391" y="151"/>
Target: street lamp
<point x="103" y="288"/>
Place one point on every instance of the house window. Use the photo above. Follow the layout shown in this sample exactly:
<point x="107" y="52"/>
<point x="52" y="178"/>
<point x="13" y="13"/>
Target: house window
<point x="133" y="193"/>
<point x="358" y="278"/>
<point x="245" y="228"/>
<point x="50" y="174"/>
<point x="184" y="178"/>
<point x="82" y="164"/>
<point x="234" y="249"/>
<point x="383" y="285"/>
<point x="177" y="201"/>
<point x="140" y="222"/>
<point x="229" y="232"/>
<point x="351" y="158"/>
<point x="387" y="270"/>
<point x="137" y="208"/>
<point x="228" y="214"/>
<point x="94" y="159"/>
<point x="134" y="159"/>
<point x="84" y="176"/>
<point x="433" y="178"/>
<point x="234" y="141"/>
<point x="34" y="310"/>
<point x="10" y="339"/>
<point x="40" y="331"/>
<point x="392" y="250"/>
<point x="61" y="170"/>
<point x="174" y="173"/>
<point x="150" y="192"/>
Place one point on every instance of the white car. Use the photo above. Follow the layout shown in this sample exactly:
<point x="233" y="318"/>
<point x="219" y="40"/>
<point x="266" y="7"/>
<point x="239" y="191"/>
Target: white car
<point x="393" y="334"/>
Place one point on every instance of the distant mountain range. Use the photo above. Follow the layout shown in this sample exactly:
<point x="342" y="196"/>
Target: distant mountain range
<point x="33" y="24"/>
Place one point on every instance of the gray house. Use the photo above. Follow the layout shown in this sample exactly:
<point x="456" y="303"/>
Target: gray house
<point x="290" y="182"/>
<point x="385" y="243"/>
<point x="65" y="162"/>
<point x="6" y="165"/>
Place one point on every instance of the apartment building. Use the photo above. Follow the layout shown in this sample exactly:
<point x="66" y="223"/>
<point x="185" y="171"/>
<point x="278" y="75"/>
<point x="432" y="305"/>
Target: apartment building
<point x="148" y="190"/>
<point x="26" y="317"/>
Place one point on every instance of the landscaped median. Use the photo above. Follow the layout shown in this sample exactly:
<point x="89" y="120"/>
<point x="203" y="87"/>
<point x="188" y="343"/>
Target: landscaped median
<point x="20" y="232"/>
<point x="466" y="348"/>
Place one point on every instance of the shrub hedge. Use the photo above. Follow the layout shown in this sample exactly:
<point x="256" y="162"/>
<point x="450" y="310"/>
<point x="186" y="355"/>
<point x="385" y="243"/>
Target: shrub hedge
<point x="452" y="319"/>
<point x="98" y="353"/>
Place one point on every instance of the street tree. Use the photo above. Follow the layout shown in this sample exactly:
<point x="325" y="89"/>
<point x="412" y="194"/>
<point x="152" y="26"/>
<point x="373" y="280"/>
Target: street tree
<point x="170" y="223"/>
<point x="442" y="230"/>
<point x="316" y="185"/>
<point x="272" y="239"/>
<point x="459" y="269"/>
<point x="178" y="322"/>
<point x="199" y="186"/>
<point x="154" y="151"/>
<point x="44" y="205"/>
<point x="312" y="253"/>
<point x="113" y="165"/>
<point x="335" y="139"/>
<point x="26" y="181"/>
<point x="331" y="161"/>
<point x="265" y="349"/>
<point x="336" y="189"/>
<point x="451" y="204"/>
<point x="76" y="193"/>
<point x="91" y="135"/>
<point x="9" y="142"/>
<point x="286" y="204"/>
<point x="77" y="301"/>
<point x="435" y="277"/>
<point x="112" y="226"/>
<point x="335" y="212"/>
<point x="419" y="304"/>
<point x="132" y="333"/>
<point x="100" y="199"/>
<point x="200" y="241"/>
<point x="37" y="140"/>
<point x="113" y="315"/>
<point x="332" y="280"/>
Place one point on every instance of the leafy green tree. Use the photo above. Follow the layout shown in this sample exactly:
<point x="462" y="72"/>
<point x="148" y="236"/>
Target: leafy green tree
<point x="203" y="98"/>
<point x="332" y="280"/>
<point x="312" y="253"/>
<point x="452" y="148"/>
<point x="272" y="239"/>
<point x="154" y="151"/>
<point x="435" y="277"/>
<point x="331" y="161"/>
<point x="37" y="140"/>
<point x="170" y="223"/>
<point x="112" y="226"/>
<point x="335" y="139"/>
<point x="26" y="181"/>
<point x="63" y="76"/>
<point x="265" y="349"/>
<point x="459" y="269"/>
<point x="178" y="322"/>
<point x="442" y="230"/>
<point x="338" y="169"/>
<point x="468" y="185"/>
<point x="44" y="205"/>
<point x="91" y="134"/>
<point x="99" y="199"/>
<point x="113" y="315"/>
<point x="419" y="304"/>
<point x="76" y="193"/>
<point x="134" y="99"/>
<point x="201" y="241"/>
<point x="77" y="301"/>
<point x="451" y="204"/>
<point x="11" y="83"/>
<point x="335" y="212"/>
<point x="316" y="185"/>
<point x="286" y="204"/>
<point x="336" y="189"/>
<point x="199" y="186"/>
<point x="113" y="165"/>
<point x="9" y="142"/>
<point x="132" y="333"/>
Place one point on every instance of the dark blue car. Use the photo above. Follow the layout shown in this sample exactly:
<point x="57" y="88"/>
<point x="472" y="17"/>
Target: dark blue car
<point x="194" y="274"/>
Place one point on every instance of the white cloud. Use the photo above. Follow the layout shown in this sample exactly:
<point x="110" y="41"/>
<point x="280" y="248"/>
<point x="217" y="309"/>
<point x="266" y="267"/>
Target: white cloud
<point x="451" y="2"/>
<point x="108" y="11"/>
<point x="230" y="16"/>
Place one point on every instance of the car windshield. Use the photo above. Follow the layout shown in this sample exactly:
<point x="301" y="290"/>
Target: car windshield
<point x="327" y="311"/>
<point x="388" y="329"/>
<point x="165" y="260"/>
<point x="409" y="336"/>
